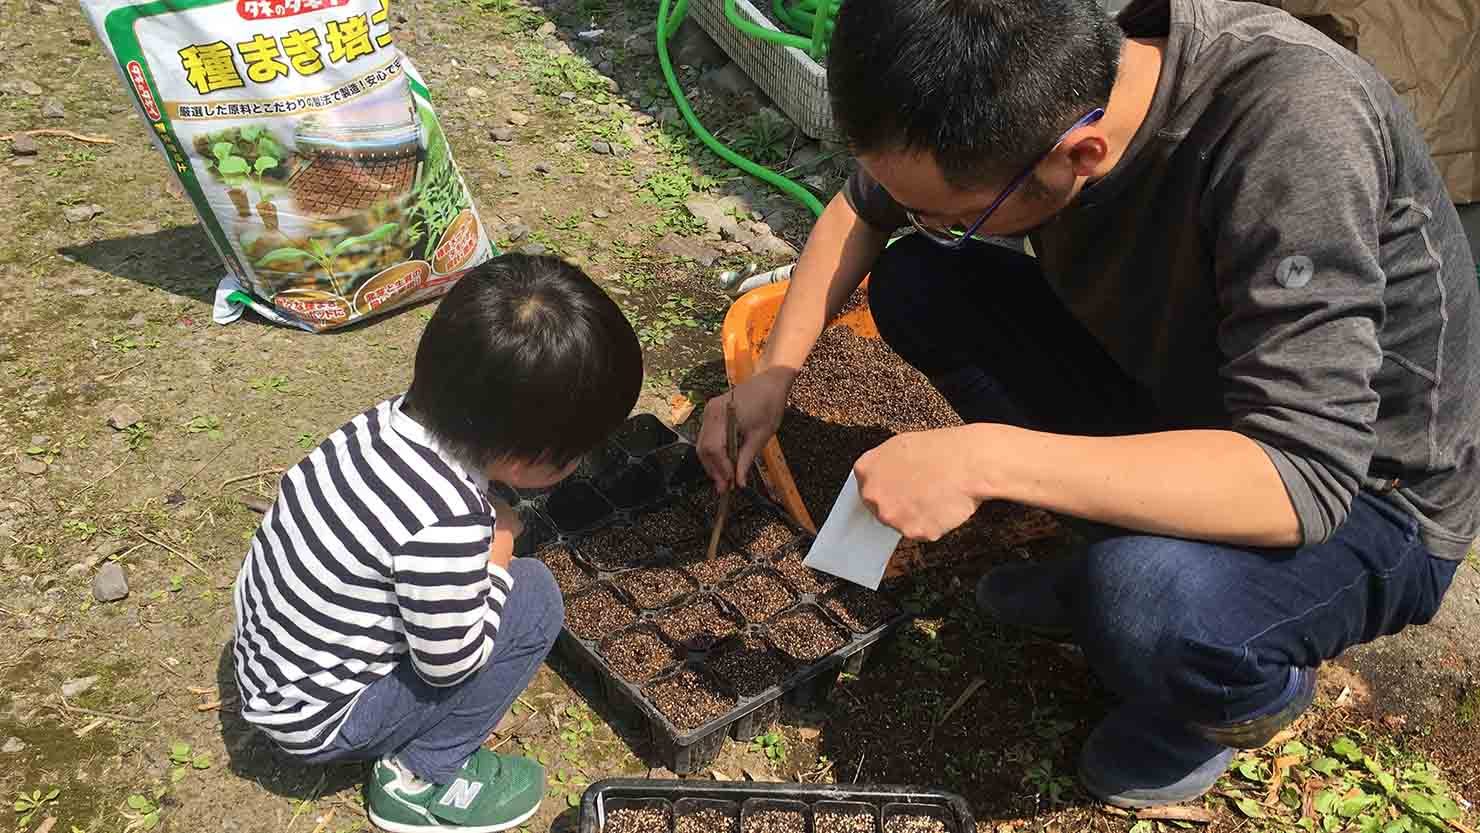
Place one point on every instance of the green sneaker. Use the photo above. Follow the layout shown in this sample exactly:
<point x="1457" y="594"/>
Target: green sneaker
<point x="490" y="793"/>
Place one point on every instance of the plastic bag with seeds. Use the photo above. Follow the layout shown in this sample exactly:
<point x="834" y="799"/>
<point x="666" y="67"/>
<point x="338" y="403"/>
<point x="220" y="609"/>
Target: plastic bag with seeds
<point x="309" y="147"/>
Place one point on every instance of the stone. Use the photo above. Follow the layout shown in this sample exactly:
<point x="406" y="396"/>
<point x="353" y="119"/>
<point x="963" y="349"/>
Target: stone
<point x="111" y="583"/>
<point x="772" y="245"/>
<point x="603" y="148"/>
<point x="504" y="171"/>
<point x="729" y="79"/>
<point x="669" y="115"/>
<point x="605" y="67"/>
<point x="13" y="745"/>
<point x="138" y="320"/>
<point x="760" y="229"/>
<point x="601" y="214"/>
<point x="641" y="46"/>
<point x="644" y="120"/>
<point x="713" y="213"/>
<point x="53" y="109"/>
<point x="809" y="156"/>
<point x="24" y="144"/>
<point x="518" y="119"/>
<point x="533" y="249"/>
<point x="542" y="167"/>
<point x="23" y="162"/>
<point x="591" y="35"/>
<point x="491" y="71"/>
<point x="546" y="29"/>
<point x="31" y="466"/>
<point x="693" y="46"/>
<point x="81" y="213"/>
<point x="76" y="688"/>
<point x="45" y="583"/>
<point x="517" y="232"/>
<point x="689" y="248"/>
<point x="502" y="134"/>
<point x="122" y="416"/>
<point x="611" y="84"/>
<point x="475" y="93"/>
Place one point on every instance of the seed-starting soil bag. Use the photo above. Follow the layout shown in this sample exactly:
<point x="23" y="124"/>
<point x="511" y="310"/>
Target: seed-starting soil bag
<point x="309" y="147"/>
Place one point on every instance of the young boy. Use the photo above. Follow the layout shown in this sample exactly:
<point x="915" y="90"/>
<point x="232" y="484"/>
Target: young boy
<point x="381" y="614"/>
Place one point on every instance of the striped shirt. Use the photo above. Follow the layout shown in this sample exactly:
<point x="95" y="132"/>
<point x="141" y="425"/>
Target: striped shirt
<point x="376" y="548"/>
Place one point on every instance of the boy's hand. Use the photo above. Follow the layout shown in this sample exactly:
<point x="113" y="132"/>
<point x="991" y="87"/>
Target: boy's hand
<point x="506" y="527"/>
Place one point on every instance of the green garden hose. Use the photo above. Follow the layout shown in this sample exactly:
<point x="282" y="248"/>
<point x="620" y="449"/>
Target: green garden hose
<point x="668" y="23"/>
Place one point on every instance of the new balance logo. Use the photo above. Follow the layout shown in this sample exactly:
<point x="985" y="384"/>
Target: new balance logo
<point x="461" y="794"/>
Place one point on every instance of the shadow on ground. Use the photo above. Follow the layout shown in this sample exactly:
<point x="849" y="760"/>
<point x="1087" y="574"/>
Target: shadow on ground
<point x="179" y="260"/>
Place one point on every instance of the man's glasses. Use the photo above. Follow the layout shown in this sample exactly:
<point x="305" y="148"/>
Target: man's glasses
<point x="955" y="236"/>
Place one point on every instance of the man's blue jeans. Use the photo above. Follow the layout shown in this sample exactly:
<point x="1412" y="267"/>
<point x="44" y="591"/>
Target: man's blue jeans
<point x="1205" y="632"/>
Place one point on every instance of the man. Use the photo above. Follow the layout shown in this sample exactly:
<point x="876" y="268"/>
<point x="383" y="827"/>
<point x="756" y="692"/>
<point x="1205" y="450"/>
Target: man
<point x="1246" y="347"/>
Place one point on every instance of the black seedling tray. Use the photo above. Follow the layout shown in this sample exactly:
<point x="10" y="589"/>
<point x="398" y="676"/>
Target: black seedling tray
<point x="649" y="473"/>
<point x="737" y="797"/>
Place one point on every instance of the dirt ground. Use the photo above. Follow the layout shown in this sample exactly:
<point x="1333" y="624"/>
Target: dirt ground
<point x="113" y="313"/>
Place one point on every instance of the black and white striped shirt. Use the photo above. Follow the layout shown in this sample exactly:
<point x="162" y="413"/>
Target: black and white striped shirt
<point x="377" y="547"/>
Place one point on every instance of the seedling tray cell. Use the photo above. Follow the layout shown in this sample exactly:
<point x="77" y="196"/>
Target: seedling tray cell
<point x="820" y="806"/>
<point x="646" y="613"/>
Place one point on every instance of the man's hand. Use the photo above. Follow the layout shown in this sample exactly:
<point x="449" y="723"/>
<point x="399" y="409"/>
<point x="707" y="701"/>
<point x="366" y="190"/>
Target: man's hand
<point x="921" y="483"/>
<point x="759" y="402"/>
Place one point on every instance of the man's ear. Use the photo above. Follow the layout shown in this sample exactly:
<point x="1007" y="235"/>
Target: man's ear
<point x="1087" y="153"/>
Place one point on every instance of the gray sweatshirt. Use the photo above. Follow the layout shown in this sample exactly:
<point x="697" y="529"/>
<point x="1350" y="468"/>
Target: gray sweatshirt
<point x="1276" y="255"/>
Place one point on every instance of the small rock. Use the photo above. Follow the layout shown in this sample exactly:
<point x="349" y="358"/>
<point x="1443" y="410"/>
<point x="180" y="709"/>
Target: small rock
<point x="504" y="171"/>
<point x="605" y="67"/>
<point x="688" y="248"/>
<point x="31" y="466"/>
<point x="45" y="583"/>
<point x="546" y="29"/>
<point x="78" y="569"/>
<point x="138" y="320"/>
<point x="590" y="35"/>
<point x="729" y="79"/>
<point x="502" y="134"/>
<point x="122" y="416"/>
<point x="611" y="84"/>
<point x="567" y="96"/>
<point x="662" y="773"/>
<point x="53" y="109"/>
<point x="78" y="687"/>
<point x="23" y="162"/>
<point x="106" y="548"/>
<point x="739" y="234"/>
<point x="641" y="46"/>
<point x="758" y="774"/>
<point x="491" y="70"/>
<point x="24" y="144"/>
<point x="601" y="214"/>
<point x="12" y="746"/>
<point x="669" y="115"/>
<point x="517" y="232"/>
<point x="542" y="167"/>
<point x="809" y="733"/>
<point x="40" y="439"/>
<point x="111" y="583"/>
<point x="518" y="119"/>
<point x="713" y="214"/>
<point x="761" y="229"/>
<point x="603" y="148"/>
<point x="772" y="245"/>
<point x="475" y="93"/>
<point x="643" y="120"/>
<point x="533" y="249"/>
<point x="81" y="213"/>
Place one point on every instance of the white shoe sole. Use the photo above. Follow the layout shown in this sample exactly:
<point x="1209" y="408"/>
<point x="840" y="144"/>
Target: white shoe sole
<point x="394" y="827"/>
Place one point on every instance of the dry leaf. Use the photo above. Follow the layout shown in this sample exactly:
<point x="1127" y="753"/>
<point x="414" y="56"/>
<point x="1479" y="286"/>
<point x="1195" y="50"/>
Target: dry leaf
<point x="681" y="408"/>
<point x="808" y="733"/>
<point x="719" y="776"/>
<point x="1344" y="697"/>
<point x="1177" y="812"/>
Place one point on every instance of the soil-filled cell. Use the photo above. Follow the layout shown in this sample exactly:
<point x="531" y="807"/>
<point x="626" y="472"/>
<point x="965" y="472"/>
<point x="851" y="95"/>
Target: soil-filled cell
<point x="597" y="613"/>
<point x="689" y="699"/>
<point x="643" y="434"/>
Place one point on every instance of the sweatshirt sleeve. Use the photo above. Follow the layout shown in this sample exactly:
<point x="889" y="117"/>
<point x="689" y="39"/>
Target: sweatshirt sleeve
<point x="1294" y="207"/>
<point x="450" y="597"/>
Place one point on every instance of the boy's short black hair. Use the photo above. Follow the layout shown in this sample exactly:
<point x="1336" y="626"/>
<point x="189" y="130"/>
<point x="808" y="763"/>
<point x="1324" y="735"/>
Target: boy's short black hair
<point x="984" y="86"/>
<point x="526" y="359"/>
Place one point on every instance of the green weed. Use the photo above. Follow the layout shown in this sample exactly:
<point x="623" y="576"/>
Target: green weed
<point x="772" y="744"/>
<point x="27" y="805"/>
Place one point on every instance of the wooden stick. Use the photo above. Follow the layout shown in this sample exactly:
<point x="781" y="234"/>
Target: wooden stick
<point x="158" y="543"/>
<point x="960" y="701"/>
<point x="106" y="376"/>
<point x="111" y="472"/>
<point x="80" y="710"/>
<point x="46" y="826"/>
<point x="732" y="448"/>
<point x="67" y="134"/>
<point x="239" y="478"/>
<point x="324" y="825"/>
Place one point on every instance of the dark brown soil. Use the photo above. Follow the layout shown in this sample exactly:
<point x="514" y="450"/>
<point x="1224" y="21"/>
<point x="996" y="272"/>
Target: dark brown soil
<point x="805" y="635"/>
<point x="671" y="525"/>
<point x="568" y="574"/>
<point x="914" y="824"/>
<point x="616" y="549"/>
<point x="637" y="656"/>
<point x="802" y="577"/>
<point x="750" y="665"/>
<point x="759" y="595"/>
<point x="760" y="535"/>
<point x="698" y="625"/>
<point x="637" y="820"/>
<point x="775" y="821"/>
<point x="859" y="608"/>
<point x="689" y="699"/>
<point x="703" y="502"/>
<point x="655" y="587"/>
<point x="843" y="821"/>
<point x="597" y="613"/>
<point x="706" y="820"/>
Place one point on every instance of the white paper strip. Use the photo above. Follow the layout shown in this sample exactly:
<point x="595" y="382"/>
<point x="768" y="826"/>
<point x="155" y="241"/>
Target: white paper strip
<point x="852" y="543"/>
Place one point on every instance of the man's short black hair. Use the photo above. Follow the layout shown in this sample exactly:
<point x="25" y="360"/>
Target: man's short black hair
<point x="526" y="359"/>
<point x="985" y="86"/>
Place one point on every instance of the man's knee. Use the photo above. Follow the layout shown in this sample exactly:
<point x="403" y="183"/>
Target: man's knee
<point x="1139" y="592"/>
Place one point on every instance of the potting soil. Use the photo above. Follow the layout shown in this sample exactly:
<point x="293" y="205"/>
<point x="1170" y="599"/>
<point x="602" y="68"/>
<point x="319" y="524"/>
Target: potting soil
<point x="308" y="145"/>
